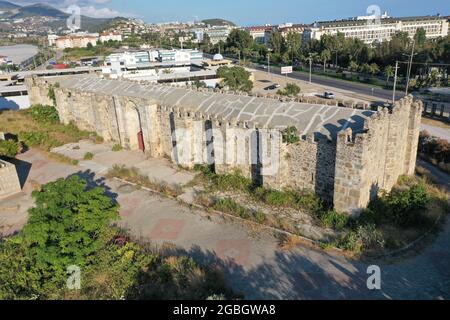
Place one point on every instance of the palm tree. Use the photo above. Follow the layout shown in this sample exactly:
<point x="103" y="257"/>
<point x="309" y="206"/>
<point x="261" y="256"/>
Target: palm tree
<point x="325" y="55"/>
<point x="388" y="72"/>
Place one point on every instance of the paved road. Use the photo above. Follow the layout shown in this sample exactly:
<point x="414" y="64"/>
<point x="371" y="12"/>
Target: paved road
<point x="437" y="131"/>
<point x="378" y="93"/>
<point x="251" y="259"/>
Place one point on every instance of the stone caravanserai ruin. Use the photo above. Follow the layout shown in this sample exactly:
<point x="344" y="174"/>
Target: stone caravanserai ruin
<point x="346" y="156"/>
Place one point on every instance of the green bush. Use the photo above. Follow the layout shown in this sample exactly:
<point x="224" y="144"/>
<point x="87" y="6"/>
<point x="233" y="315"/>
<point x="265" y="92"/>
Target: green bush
<point x="333" y="219"/>
<point x="403" y="207"/>
<point x="290" y="135"/>
<point x="44" y="114"/>
<point x="117" y="148"/>
<point x="88" y="156"/>
<point x="72" y="225"/>
<point x="8" y="148"/>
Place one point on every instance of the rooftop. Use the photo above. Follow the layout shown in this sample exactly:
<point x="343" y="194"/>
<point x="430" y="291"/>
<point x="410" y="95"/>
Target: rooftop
<point x="268" y="113"/>
<point x="19" y="53"/>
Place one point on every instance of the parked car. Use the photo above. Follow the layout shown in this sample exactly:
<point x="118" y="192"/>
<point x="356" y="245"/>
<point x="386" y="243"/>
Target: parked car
<point x="273" y="87"/>
<point x="329" y="95"/>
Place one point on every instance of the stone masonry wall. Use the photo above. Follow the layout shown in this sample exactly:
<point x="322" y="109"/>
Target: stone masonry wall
<point x="348" y="172"/>
<point x="373" y="160"/>
<point x="9" y="180"/>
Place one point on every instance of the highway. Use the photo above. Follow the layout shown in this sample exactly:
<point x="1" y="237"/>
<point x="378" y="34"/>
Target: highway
<point x="378" y="93"/>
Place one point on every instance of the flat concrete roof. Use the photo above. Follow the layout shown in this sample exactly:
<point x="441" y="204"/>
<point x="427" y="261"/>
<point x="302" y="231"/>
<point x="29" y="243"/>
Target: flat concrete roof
<point x="19" y="53"/>
<point x="268" y="113"/>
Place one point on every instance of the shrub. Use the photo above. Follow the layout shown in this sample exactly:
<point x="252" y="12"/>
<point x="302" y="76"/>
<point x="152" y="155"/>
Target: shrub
<point x="9" y="148"/>
<point x="291" y="90"/>
<point x="364" y="238"/>
<point x="403" y="207"/>
<point x="333" y="219"/>
<point x="44" y="114"/>
<point x="290" y="135"/>
<point x="117" y="148"/>
<point x="88" y="156"/>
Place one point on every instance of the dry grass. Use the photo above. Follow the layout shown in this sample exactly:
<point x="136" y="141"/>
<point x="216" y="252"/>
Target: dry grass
<point x="62" y="158"/>
<point x="132" y="175"/>
<point x="435" y="123"/>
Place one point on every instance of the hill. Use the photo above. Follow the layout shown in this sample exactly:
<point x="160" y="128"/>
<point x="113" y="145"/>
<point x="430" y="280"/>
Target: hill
<point x="5" y="5"/>
<point x="219" y="22"/>
<point x="39" y="9"/>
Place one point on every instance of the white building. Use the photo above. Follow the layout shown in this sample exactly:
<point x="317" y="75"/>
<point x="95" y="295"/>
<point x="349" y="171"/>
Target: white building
<point x="113" y="36"/>
<point x="77" y="40"/>
<point x="52" y="40"/>
<point x="180" y="55"/>
<point x="372" y="30"/>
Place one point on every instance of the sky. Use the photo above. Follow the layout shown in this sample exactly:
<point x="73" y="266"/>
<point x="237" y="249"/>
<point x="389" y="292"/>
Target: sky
<point x="249" y="12"/>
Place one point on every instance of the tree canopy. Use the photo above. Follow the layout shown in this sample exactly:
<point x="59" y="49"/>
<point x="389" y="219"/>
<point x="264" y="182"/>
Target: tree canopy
<point x="235" y="78"/>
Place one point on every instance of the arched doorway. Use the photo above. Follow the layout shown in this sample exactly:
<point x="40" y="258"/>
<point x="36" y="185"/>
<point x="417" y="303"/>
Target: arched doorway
<point x="133" y="127"/>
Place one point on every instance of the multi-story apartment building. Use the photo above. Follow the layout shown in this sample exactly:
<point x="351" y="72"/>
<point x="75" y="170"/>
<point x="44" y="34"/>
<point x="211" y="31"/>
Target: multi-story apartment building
<point x="114" y="36"/>
<point x="372" y="30"/>
<point x="260" y="33"/>
<point x="287" y="28"/>
<point x="77" y="40"/>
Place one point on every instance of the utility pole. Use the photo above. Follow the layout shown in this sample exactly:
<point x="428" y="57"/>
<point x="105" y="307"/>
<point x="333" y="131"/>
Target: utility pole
<point x="410" y="67"/>
<point x="395" y="82"/>
<point x="310" y="68"/>
<point x="268" y="64"/>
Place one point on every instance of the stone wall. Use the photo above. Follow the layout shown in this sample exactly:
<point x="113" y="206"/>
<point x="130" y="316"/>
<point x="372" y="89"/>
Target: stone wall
<point x="9" y="180"/>
<point x="348" y="171"/>
<point x="373" y="160"/>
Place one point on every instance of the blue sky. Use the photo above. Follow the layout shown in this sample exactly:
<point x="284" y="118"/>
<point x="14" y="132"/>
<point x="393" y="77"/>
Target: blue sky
<point x="249" y="12"/>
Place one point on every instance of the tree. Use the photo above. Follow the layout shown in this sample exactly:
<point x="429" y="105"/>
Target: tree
<point x="388" y="72"/>
<point x="293" y="44"/>
<point x="277" y="43"/>
<point x="291" y="90"/>
<point x="240" y="40"/>
<point x="325" y="55"/>
<point x="353" y="66"/>
<point x="374" y="69"/>
<point x="420" y="37"/>
<point x="236" y="78"/>
<point x="69" y="224"/>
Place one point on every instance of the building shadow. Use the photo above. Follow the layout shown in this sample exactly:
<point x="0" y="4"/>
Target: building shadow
<point x="23" y="169"/>
<point x="8" y="104"/>
<point x="93" y="182"/>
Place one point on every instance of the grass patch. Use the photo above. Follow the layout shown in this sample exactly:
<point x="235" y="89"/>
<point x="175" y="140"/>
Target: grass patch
<point x="116" y="148"/>
<point x="9" y="148"/>
<point x="38" y="127"/>
<point x="132" y="175"/>
<point x="229" y="206"/>
<point x="62" y="158"/>
<point x="88" y="156"/>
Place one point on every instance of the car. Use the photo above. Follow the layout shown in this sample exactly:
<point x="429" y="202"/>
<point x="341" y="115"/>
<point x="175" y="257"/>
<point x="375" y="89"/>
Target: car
<point x="329" y="95"/>
<point x="273" y="87"/>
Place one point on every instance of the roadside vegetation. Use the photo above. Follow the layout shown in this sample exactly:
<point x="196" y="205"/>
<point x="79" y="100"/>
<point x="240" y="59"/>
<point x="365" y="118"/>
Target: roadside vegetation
<point x="435" y="150"/>
<point x="71" y="226"/>
<point x="291" y="90"/>
<point x="38" y="127"/>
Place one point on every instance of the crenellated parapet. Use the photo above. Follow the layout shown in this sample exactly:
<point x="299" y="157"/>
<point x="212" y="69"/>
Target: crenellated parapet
<point x="345" y="155"/>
